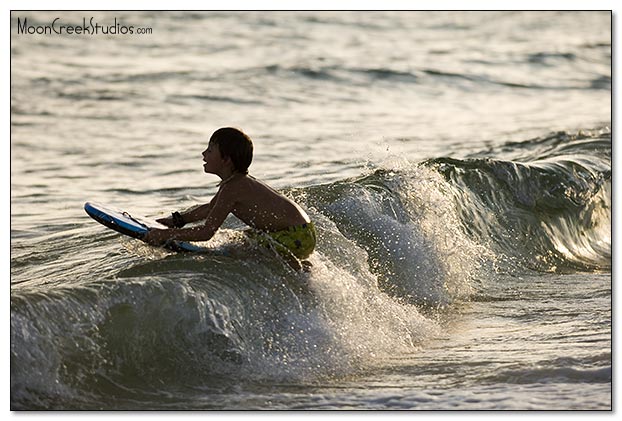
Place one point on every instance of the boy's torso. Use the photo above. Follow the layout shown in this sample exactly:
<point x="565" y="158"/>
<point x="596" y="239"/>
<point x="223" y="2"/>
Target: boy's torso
<point x="261" y="207"/>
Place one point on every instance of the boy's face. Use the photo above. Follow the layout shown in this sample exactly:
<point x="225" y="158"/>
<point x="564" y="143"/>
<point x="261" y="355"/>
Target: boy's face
<point x="213" y="160"/>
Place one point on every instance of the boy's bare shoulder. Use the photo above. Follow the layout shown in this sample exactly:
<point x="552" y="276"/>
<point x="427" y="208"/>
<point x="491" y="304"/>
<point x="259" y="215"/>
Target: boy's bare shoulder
<point x="237" y="186"/>
<point x="248" y="188"/>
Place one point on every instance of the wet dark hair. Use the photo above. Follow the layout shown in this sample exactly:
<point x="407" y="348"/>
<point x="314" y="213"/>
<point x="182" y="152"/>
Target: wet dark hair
<point x="233" y="143"/>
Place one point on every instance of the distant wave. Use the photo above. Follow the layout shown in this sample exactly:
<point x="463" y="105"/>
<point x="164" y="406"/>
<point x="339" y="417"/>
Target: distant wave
<point x="424" y="76"/>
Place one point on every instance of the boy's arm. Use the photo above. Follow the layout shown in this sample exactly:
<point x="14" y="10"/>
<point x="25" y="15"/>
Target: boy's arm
<point x="193" y="215"/>
<point x="219" y="208"/>
<point x="198" y="213"/>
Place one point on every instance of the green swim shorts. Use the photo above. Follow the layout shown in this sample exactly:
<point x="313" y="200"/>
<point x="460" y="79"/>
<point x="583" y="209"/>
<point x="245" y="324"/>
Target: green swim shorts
<point x="298" y="240"/>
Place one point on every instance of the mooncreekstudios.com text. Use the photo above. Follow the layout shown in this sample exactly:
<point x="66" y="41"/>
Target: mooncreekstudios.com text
<point x="90" y="27"/>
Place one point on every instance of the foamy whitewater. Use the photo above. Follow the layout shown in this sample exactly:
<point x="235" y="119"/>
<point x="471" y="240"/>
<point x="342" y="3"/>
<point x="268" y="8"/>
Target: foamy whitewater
<point x="457" y="166"/>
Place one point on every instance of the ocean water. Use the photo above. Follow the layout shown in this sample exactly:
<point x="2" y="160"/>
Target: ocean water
<point x="457" y="166"/>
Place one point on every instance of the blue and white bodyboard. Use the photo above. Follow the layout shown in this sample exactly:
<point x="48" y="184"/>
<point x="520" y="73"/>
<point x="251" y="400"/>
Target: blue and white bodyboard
<point x="132" y="226"/>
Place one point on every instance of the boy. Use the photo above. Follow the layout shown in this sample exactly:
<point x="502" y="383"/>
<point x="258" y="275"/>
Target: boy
<point x="278" y="222"/>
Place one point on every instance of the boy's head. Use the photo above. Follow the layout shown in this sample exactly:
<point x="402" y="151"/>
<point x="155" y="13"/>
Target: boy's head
<point x="234" y="144"/>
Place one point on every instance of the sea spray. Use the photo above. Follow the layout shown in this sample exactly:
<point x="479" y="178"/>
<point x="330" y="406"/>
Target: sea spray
<point x="410" y="230"/>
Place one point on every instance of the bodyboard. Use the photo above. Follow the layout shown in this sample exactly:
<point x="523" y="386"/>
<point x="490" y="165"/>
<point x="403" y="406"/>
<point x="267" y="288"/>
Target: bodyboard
<point x="136" y="227"/>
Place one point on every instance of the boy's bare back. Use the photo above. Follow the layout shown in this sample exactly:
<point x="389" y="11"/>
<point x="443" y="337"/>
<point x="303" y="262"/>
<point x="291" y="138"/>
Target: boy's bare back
<point x="258" y="205"/>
